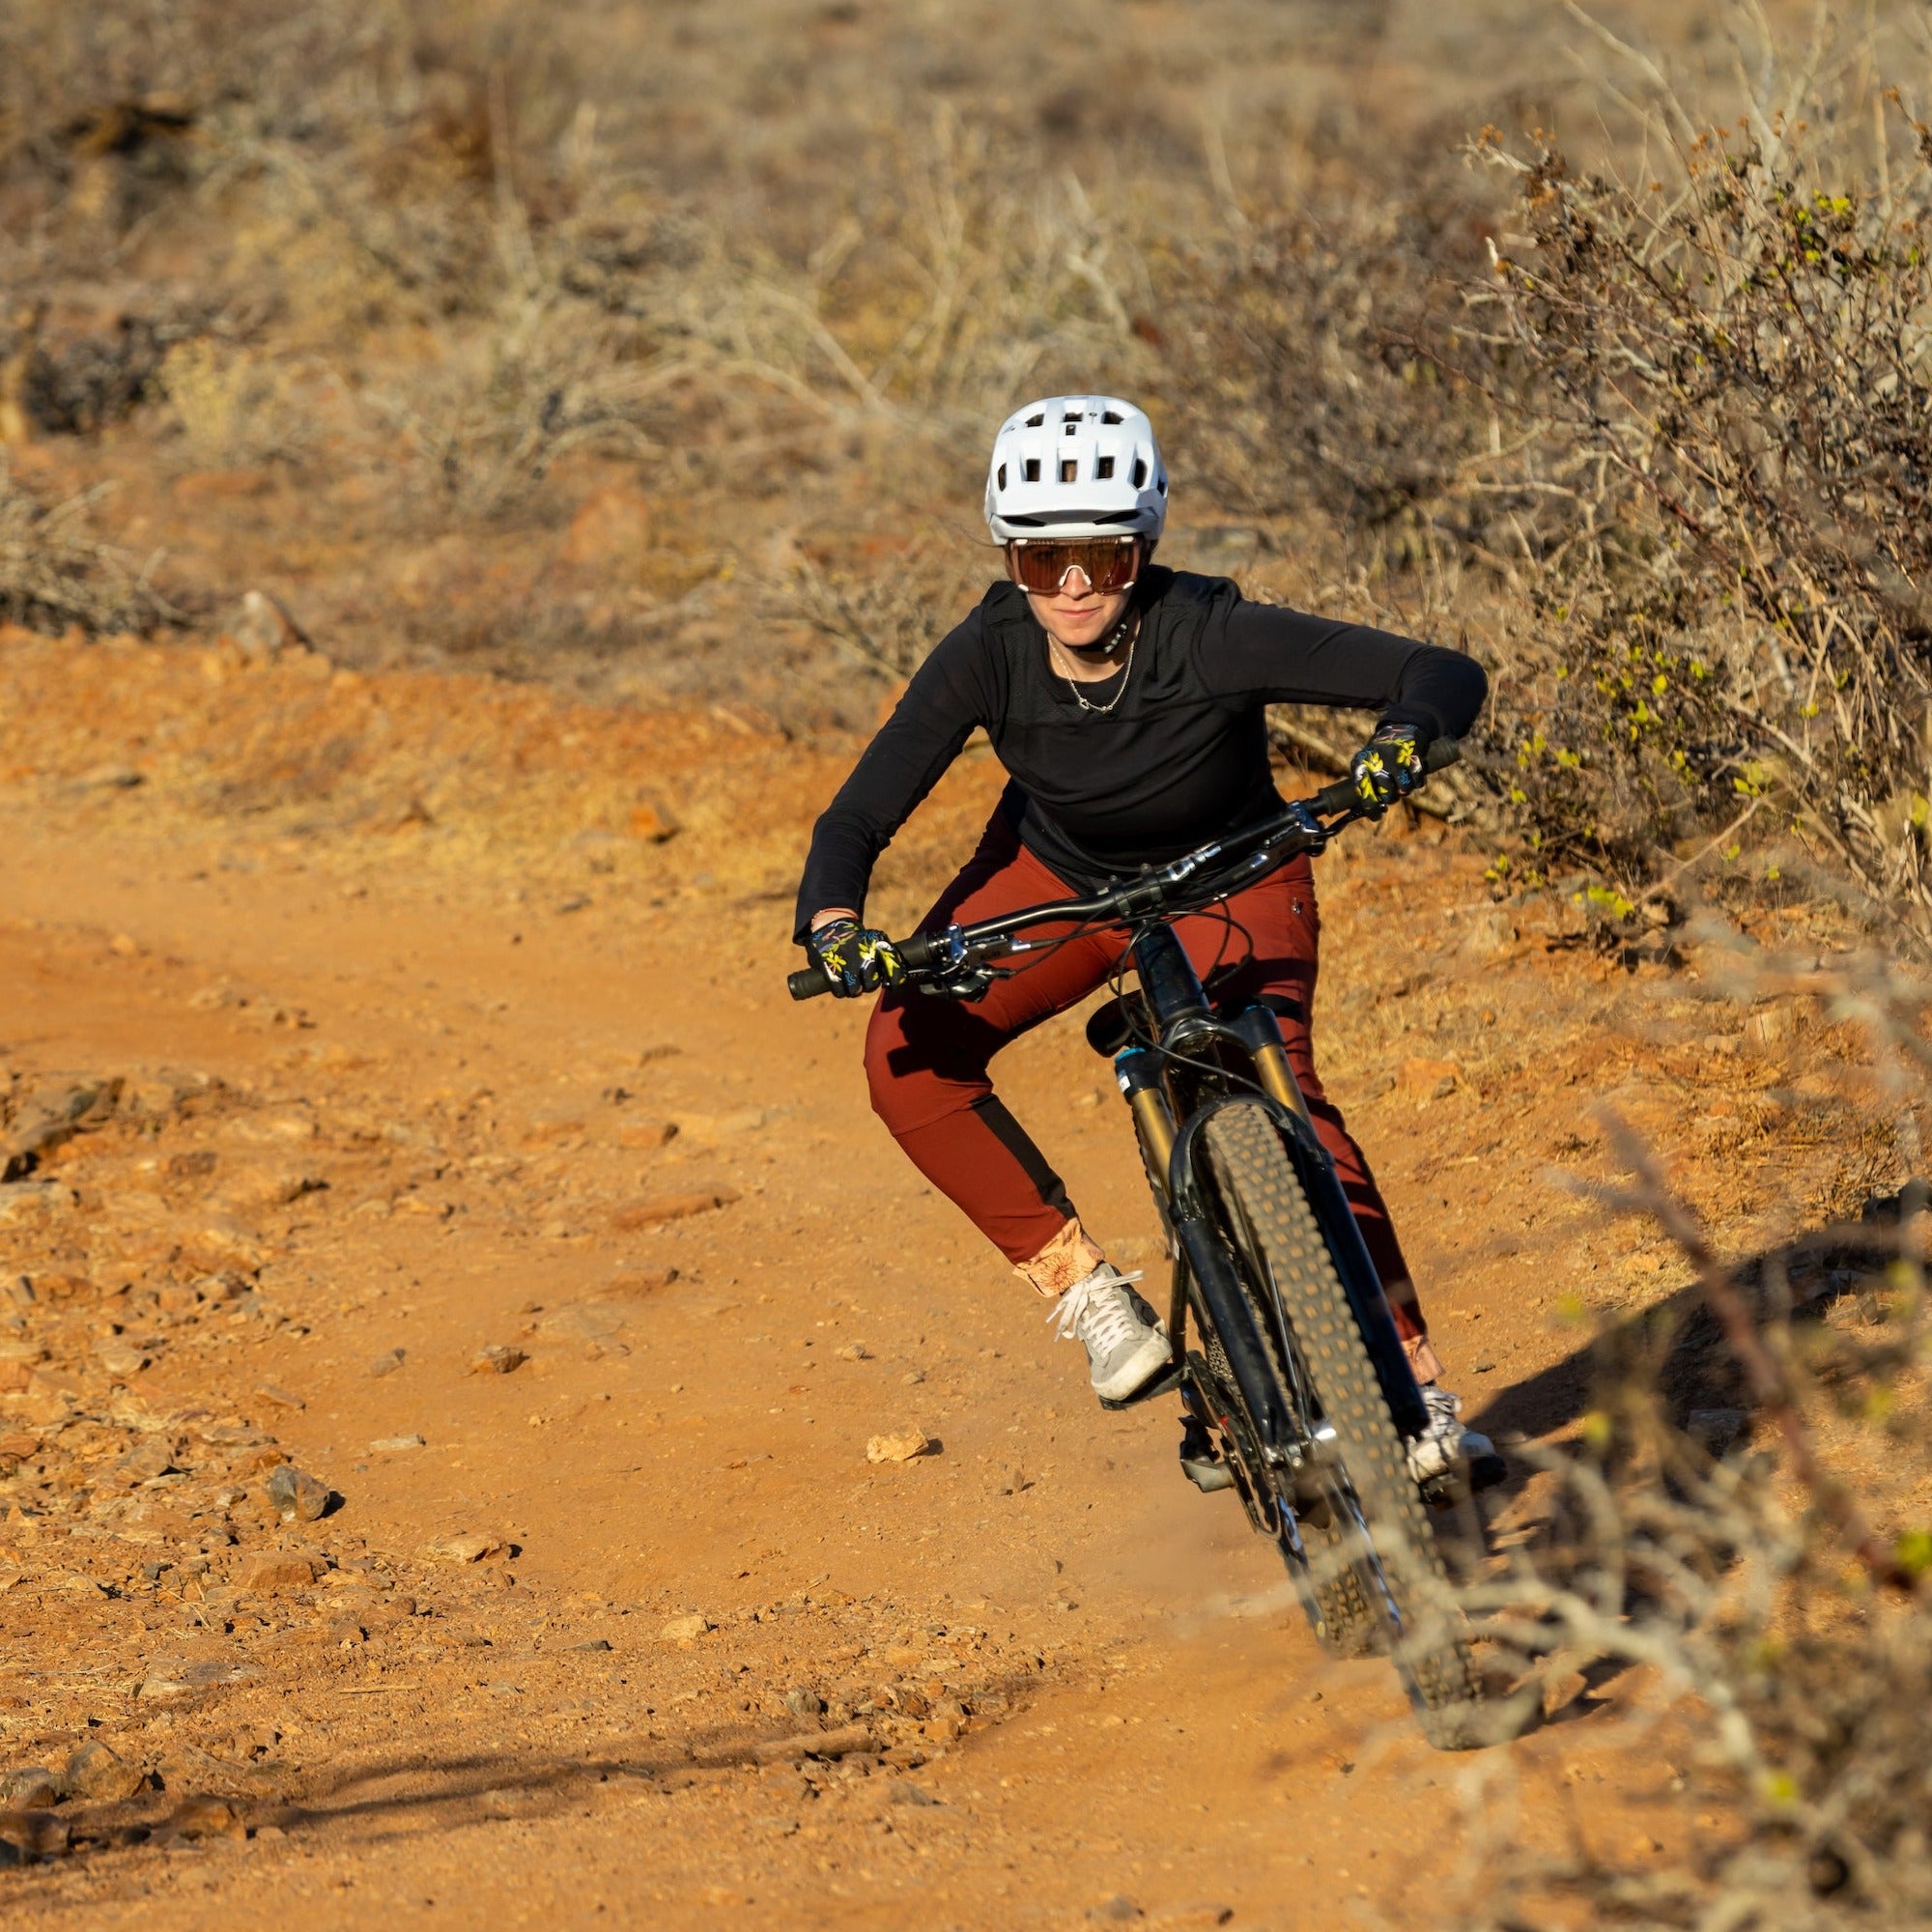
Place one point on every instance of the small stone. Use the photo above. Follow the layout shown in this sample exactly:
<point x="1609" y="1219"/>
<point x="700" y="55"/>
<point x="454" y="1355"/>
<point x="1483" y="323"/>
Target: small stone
<point x="261" y="630"/>
<point x="296" y="1495"/>
<point x="205" y="1818"/>
<point x="109" y="778"/>
<point x="595" y="1643"/>
<point x="683" y="1629"/>
<point x="94" y="1773"/>
<point x="387" y="1362"/>
<point x="903" y="1791"/>
<point x="30" y="1789"/>
<point x="146" y="1460"/>
<point x="803" y="1703"/>
<point x="1488" y="935"/>
<point x="53" y="1113"/>
<point x="120" y="1360"/>
<point x="645" y="1133"/>
<point x="497" y="1359"/>
<point x="658" y="1210"/>
<point x="900" y="1446"/>
<point x="471" y="1546"/>
<point x="396" y="1445"/>
<point x="708" y="1130"/>
<point x="275" y="1572"/>
<point x="32" y="1835"/>
<point x="633" y="1284"/>
<point x="845" y="1742"/>
<point x="854" y="1351"/>
<point x="23" y="1203"/>
<point x="1427" y="1079"/>
<point x="269" y="1187"/>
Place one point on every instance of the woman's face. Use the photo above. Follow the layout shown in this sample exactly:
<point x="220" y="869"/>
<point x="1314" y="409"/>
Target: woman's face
<point x="1076" y="614"/>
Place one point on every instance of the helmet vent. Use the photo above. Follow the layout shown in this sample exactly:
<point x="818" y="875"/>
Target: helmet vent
<point x="1003" y="476"/>
<point x="1030" y="470"/>
<point x="1103" y="468"/>
<point x="1140" y="472"/>
<point x="1034" y="423"/>
<point x="1070" y="472"/>
<point x="1161" y="486"/>
<point x="1110" y="415"/>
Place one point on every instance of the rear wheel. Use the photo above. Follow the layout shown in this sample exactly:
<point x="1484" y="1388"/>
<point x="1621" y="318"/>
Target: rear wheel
<point x="1381" y="1573"/>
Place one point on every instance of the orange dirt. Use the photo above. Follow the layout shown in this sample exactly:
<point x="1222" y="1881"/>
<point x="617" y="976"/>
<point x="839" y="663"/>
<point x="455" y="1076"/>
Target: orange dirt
<point x="449" y="1018"/>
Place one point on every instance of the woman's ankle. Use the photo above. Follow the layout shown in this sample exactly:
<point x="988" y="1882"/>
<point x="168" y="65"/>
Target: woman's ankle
<point x="1070" y="1256"/>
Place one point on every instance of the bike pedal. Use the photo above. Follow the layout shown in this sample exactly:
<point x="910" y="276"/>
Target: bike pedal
<point x="1208" y="1477"/>
<point x="1454" y="1485"/>
<point x="1164" y="1383"/>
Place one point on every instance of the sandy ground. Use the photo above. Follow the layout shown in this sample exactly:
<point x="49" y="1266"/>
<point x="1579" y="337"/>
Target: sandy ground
<point x="446" y="1017"/>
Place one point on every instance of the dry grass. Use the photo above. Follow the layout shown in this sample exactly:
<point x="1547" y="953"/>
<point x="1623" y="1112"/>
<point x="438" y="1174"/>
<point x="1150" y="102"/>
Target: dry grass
<point x="55" y="573"/>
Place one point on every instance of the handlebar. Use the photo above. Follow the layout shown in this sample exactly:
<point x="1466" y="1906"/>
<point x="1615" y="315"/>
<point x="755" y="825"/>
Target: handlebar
<point x="1251" y="853"/>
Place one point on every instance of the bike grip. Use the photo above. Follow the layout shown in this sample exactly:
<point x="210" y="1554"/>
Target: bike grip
<point x="1336" y="797"/>
<point x="1341" y="795"/>
<point x="918" y="952"/>
<point x="807" y="983"/>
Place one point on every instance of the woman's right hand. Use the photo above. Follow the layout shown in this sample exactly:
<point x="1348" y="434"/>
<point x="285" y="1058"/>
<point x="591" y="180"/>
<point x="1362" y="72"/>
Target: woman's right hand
<point x="857" y="959"/>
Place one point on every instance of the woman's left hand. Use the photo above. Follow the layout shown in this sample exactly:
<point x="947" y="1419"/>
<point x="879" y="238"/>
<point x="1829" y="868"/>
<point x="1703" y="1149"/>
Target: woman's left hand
<point x="1387" y="768"/>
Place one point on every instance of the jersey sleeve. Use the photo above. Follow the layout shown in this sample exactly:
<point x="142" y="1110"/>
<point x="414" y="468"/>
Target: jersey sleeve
<point x="948" y="694"/>
<point x="1276" y="655"/>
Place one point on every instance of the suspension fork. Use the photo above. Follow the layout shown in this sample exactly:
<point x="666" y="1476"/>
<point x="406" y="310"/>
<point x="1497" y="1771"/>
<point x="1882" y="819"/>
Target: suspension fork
<point x="1259" y="1032"/>
<point x="1138" y="1071"/>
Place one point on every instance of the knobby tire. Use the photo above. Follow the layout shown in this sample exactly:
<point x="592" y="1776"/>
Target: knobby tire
<point x="1427" y="1642"/>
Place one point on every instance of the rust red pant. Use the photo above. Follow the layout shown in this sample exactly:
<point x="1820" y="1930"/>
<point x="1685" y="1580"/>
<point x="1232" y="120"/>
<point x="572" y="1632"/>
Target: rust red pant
<point x="926" y="1059"/>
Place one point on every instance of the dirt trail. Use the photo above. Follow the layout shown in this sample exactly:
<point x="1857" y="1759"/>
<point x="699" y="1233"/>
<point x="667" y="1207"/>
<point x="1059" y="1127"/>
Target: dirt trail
<point x="471" y="1034"/>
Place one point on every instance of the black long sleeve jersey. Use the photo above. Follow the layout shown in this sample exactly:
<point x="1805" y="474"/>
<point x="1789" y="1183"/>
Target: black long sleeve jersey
<point x="1180" y="758"/>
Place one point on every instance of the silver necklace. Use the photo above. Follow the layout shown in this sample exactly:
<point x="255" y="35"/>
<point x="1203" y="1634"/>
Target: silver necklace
<point x="1127" y="671"/>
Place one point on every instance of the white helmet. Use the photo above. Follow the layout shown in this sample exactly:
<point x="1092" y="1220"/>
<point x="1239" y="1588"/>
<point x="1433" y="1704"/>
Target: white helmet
<point x="1076" y="467"/>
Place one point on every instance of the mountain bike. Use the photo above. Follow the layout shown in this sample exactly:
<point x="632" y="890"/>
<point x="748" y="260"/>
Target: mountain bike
<point x="1294" y="1370"/>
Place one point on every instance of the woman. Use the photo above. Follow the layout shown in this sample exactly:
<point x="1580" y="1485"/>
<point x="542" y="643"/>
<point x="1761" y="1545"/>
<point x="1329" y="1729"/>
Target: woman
<point x="1127" y="703"/>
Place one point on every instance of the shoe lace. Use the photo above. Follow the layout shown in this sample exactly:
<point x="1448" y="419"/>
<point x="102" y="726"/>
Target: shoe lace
<point x="1096" y="1310"/>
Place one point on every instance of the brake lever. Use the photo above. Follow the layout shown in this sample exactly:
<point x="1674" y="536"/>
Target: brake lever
<point x="973" y="984"/>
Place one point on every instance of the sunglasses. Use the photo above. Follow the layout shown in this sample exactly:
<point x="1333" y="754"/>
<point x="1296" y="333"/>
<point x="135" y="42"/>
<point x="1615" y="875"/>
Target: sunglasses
<point x="1044" y="564"/>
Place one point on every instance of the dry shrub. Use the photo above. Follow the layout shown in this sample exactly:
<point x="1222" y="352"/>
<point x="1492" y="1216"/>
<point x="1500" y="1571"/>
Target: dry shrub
<point x="55" y="573"/>
<point x="1718" y="364"/>
<point x="1743" y="1520"/>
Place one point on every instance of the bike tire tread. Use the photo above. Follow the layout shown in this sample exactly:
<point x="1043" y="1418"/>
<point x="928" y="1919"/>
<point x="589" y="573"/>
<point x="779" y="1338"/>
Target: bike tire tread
<point x="1437" y="1671"/>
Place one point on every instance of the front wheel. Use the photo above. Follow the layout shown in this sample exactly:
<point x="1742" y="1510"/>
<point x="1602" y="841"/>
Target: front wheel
<point x="1377" y="1527"/>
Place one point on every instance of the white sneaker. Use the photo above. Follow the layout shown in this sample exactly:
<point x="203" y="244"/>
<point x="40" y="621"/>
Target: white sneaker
<point x="1124" y="1345"/>
<point x="1445" y="1448"/>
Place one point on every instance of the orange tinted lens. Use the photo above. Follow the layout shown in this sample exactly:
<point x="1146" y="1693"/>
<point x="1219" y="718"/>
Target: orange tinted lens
<point x="1108" y="563"/>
